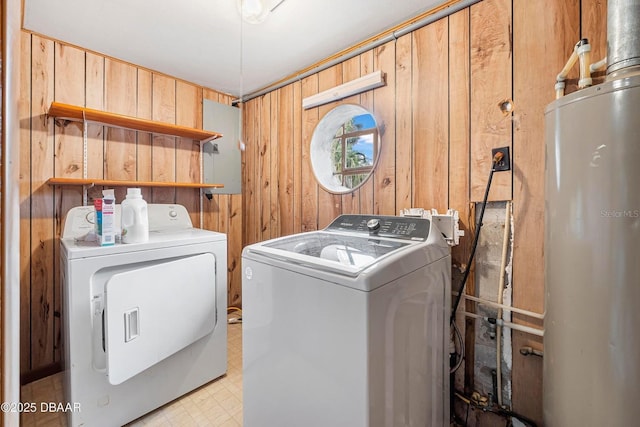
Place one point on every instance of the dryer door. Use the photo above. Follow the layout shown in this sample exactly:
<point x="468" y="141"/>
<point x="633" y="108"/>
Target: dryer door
<point x="155" y="311"/>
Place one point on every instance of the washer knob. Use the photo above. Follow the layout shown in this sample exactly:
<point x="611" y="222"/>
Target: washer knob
<point x="173" y="214"/>
<point x="373" y="224"/>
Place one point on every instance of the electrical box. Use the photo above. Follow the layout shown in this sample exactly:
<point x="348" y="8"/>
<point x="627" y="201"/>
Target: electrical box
<point x="222" y="160"/>
<point x="448" y="224"/>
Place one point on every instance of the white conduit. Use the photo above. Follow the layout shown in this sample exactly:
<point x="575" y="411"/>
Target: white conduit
<point x="504" y="307"/>
<point x="598" y="66"/>
<point x="463" y="4"/>
<point x="512" y="326"/>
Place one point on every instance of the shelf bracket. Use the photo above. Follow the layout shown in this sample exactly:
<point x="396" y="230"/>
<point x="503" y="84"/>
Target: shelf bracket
<point x="84" y="160"/>
<point x="61" y="123"/>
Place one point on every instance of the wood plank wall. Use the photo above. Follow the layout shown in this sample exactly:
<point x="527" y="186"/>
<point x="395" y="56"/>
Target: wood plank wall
<point x="52" y="71"/>
<point x="439" y="117"/>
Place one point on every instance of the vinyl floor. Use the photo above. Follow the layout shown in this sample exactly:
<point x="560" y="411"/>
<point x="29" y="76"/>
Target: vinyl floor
<point x="216" y="404"/>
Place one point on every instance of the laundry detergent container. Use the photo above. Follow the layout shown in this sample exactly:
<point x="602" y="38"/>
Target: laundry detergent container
<point x="135" y="218"/>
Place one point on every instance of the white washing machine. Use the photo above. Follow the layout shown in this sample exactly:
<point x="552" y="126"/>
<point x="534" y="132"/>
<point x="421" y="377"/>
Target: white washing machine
<point x="144" y="323"/>
<point x="348" y="326"/>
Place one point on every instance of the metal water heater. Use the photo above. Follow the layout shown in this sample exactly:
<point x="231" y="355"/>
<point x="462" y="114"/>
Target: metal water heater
<point x="592" y="241"/>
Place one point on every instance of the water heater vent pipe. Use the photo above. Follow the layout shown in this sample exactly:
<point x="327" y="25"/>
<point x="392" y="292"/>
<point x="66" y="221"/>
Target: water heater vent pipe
<point x="623" y="37"/>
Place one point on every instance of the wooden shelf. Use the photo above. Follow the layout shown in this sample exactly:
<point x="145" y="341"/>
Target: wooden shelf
<point x="80" y="114"/>
<point x="117" y="183"/>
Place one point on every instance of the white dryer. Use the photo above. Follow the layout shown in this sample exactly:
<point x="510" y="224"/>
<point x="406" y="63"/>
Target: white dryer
<point x="348" y="326"/>
<point x="144" y="323"/>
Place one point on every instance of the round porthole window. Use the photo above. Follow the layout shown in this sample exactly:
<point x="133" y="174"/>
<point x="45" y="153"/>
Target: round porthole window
<point x="345" y="148"/>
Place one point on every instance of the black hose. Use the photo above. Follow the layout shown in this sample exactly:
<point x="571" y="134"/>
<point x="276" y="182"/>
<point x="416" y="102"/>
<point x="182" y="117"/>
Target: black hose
<point x="473" y="248"/>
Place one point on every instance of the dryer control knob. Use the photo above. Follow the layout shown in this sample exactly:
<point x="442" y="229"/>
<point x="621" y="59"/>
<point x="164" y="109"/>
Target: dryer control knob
<point x="373" y="224"/>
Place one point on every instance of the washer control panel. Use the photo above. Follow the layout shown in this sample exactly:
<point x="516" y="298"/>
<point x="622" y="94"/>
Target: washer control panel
<point x="384" y="226"/>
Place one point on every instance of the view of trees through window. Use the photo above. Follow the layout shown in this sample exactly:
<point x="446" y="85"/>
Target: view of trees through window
<point x="354" y="149"/>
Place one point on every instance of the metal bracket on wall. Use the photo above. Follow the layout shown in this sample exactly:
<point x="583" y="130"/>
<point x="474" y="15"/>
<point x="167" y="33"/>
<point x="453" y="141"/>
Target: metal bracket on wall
<point x="61" y="123"/>
<point x="84" y="160"/>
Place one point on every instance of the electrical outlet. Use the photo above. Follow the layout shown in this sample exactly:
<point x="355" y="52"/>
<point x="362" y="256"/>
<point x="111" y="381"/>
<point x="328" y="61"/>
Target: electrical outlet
<point x="501" y="159"/>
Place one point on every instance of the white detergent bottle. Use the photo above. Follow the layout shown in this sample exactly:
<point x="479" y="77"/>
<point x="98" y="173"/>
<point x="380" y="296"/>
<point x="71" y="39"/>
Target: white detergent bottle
<point x="134" y="217"/>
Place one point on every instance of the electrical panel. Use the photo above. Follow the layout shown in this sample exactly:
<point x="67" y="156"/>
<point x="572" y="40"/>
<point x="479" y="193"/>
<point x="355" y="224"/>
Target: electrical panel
<point x="222" y="160"/>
